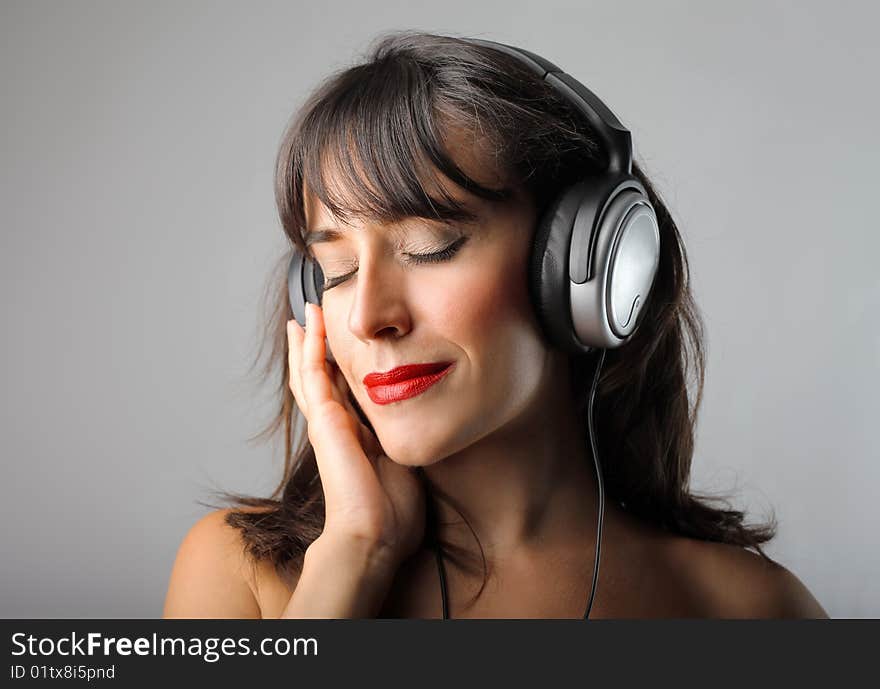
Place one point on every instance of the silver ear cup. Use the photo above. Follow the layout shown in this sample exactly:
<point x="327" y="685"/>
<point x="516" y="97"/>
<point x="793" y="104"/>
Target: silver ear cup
<point x="634" y="261"/>
<point x="606" y="309"/>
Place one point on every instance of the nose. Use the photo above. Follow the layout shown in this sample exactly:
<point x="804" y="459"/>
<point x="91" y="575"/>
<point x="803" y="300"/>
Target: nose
<point x="379" y="307"/>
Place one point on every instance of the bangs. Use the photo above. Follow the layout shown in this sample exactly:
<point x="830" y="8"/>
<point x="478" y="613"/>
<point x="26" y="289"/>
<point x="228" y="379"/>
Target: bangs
<point x="371" y="146"/>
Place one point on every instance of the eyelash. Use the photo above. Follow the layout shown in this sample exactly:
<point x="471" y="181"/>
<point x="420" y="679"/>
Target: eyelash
<point x="436" y="257"/>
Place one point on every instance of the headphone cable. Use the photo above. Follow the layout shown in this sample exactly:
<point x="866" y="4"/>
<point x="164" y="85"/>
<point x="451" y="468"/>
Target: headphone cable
<point x="599" y="484"/>
<point x="441" y="569"/>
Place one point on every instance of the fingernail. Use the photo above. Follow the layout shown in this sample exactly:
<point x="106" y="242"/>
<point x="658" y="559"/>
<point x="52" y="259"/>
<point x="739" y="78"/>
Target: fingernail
<point x="308" y="313"/>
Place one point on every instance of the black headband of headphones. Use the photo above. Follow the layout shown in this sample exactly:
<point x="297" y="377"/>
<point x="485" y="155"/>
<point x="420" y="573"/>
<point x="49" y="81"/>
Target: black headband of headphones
<point x="614" y="135"/>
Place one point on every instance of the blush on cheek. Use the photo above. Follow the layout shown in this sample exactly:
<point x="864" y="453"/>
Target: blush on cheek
<point x="486" y="304"/>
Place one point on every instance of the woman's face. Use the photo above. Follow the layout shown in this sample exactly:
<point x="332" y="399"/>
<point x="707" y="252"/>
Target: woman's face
<point x="469" y="306"/>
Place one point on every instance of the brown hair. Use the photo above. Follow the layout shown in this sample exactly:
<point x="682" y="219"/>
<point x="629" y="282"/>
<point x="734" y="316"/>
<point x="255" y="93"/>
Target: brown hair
<point x="379" y="121"/>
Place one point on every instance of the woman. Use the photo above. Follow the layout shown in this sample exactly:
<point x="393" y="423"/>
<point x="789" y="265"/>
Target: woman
<point x="416" y="182"/>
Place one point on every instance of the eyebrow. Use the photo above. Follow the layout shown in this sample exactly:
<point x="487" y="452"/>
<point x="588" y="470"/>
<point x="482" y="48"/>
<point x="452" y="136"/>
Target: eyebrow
<point x="321" y="235"/>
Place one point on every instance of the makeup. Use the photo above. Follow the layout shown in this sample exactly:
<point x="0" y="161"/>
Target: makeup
<point x="404" y="382"/>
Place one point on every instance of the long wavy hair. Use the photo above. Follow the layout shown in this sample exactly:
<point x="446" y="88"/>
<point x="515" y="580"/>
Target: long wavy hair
<point x="381" y="126"/>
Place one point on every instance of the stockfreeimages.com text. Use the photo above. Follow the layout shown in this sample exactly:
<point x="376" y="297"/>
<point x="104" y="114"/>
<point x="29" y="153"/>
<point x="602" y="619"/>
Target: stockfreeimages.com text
<point x="210" y="649"/>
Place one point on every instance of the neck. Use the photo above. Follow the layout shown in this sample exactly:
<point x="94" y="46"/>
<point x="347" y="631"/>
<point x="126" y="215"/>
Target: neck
<point x="526" y="486"/>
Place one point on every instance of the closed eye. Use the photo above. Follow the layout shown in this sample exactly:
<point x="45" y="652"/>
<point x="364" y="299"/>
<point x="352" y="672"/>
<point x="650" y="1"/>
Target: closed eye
<point x="435" y="257"/>
<point x="439" y="256"/>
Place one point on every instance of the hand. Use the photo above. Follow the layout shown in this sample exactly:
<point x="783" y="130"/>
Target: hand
<point x="368" y="498"/>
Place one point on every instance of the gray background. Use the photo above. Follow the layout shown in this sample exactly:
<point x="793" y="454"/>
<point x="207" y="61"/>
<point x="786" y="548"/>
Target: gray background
<point x="139" y="226"/>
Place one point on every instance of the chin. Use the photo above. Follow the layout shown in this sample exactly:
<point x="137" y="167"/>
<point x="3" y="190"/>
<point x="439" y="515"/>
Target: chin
<point x="412" y="449"/>
<point x="413" y="456"/>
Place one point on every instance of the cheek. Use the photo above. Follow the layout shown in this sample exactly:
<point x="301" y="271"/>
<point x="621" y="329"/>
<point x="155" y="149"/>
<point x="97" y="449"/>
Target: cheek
<point x="490" y="315"/>
<point x="484" y="308"/>
<point x="498" y="323"/>
<point x="493" y="301"/>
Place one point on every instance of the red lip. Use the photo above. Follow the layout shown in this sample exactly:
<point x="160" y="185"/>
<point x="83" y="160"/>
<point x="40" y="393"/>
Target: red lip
<point x="404" y="382"/>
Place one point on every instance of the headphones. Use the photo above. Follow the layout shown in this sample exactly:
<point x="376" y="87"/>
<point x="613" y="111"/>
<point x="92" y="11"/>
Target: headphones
<point x="596" y="246"/>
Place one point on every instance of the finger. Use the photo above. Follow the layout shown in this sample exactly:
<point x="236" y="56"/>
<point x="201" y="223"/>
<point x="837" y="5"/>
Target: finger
<point x="367" y="437"/>
<point x="345" y="469"/>
<point x="339" y="388"/>
<point x="295" y="336"/>
<point x="347" y="395"/>
<point x="316" y="385"/>
<point x="338" y="380"/>
<point x="343" y="466"/>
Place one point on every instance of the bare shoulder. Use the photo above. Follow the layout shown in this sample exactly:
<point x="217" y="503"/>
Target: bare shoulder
<point x="212" y="576"/>
<point x="733" y="582"/>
